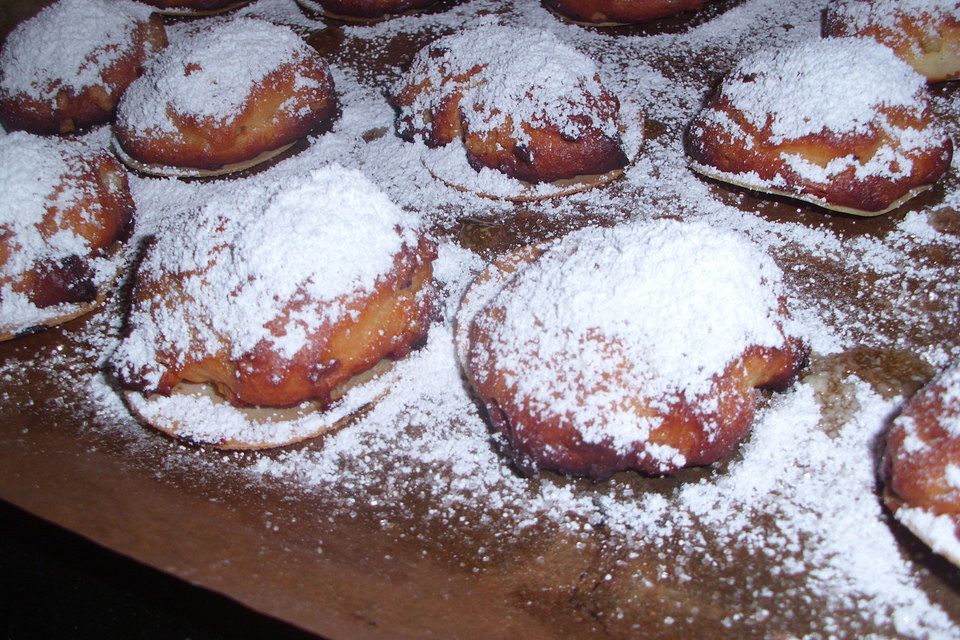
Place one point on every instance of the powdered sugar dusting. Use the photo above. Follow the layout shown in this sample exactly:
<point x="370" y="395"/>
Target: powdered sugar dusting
<point x="208" y="74"/>
<point x="67" y="46"/>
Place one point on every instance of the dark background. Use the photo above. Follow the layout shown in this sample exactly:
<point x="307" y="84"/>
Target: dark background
<point x="59" y="585"/>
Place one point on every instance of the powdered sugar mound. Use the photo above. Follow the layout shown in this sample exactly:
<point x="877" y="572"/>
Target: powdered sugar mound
<point x="208" y="74"/>
<point x="528" y="76"/>
<point x="836" y="84"/>
<point x="938" y="531"/>
<point x="661" y="307"/>
<point x="67" y="46"/>
<point x="322" y="239"/>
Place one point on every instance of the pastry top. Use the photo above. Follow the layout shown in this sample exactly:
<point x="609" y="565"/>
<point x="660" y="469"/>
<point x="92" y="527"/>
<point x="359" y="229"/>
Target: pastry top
<point x="500" y="74"/>
<point x="608" y="318"/>
<point x="267" y="265"/>
<point x="209" y="76"/>
<point x="922" y="461"/>
<point x="835" y="86"/>
<point x="41" y="184"/>
<point x="858" y="16"/>
<point x="67" y="46"/>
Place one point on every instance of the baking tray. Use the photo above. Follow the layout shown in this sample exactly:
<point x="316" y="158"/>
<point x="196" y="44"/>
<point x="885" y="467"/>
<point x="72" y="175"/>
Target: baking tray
<point x="414" y="526"/>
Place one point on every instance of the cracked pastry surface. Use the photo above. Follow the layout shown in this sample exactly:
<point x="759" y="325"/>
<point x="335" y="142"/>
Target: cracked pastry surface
<point x="520" y="102"/>
<point x="921" y="464"/>
<point x="66" y="68"/>
<point x="279" y="292"/>
<point x="840" y="122"/>
<point x="228" y="92"/>
<point x="64" y="204"/>
<point x="924" y="33"/>
<point x="621" y="11"/>
<point x="638" y="347"/>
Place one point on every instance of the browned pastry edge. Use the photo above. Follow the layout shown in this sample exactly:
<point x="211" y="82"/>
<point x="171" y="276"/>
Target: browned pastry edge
<point x="94" y="105"/>
<point x="548" y="441"/>
<point x="918" y="478"/>
<point x="388" y="323"/>
<point x="102" y="215"/>
<point x="364" y="10"/>
<point x="198" y="6"/>
<point x="712" y="145"/>
<point x="934" y="55"/>
<point x="260" y="127"/>
<point x="614" y="12"/>
<point x="547" y="156"/>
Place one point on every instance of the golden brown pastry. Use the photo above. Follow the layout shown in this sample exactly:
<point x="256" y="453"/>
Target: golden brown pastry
<point x="230" y="92"/>
<point x="66" y="68"/>
<point x="921" y="464"/>
<point x="520" y="102"/>
<point x="612" y="12"/>
<point x="841" y="122"/>
<point x="924" y="33"/>
<point x="279" y="292"/>
<point x="64" y="204"/>
<point x="364" y="9"/>
<point x="606" y="351"/>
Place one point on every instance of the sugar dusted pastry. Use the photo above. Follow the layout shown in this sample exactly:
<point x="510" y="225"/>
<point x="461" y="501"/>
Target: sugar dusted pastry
<point x="278" y="292"/>
<point x="613" y="12"/>
<point x="230" y="93"/>
<point x="364" y="9"/>
<point x="520" y="102"/>
<point x="67" y="67"/>
<point x="637" y="347"/>
<point x="924" y="33"/>
<point x="841" y="122"/>
<point x="921" y="464"/>
<point x="64" y="204"/>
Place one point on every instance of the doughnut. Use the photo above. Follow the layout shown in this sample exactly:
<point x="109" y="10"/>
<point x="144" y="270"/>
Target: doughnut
<point x="614" y="12"/>
<point x="520" y="102"/>
<point x="607" y="350"/>
<point x="66" y="68"/>
<point x="64" y="205"/>
<point x="921" y="464"/>
<point x="278" y="292"/>
<point x="841" y="123"/>
<point x="925" y="34"/>
<point x="230" y="92"/>
<point x="363" y="9"/>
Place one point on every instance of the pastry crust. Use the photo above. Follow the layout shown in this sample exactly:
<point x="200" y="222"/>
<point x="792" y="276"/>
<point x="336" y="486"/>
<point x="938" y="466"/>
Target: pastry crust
<point x="91" y="72"/>
<point x="614" y="12"/>
<point x="496" y="90"/>
<point x="195" y="7"/>
<point x="582" y="403"/>
<point x="52" y="235"/>
<point x="921" y="461"/>
<point x="364" y="9"/>
<point x="183" y="332"/>
<point x="863" y="162"/>
<point x="926" y="35"/>
<point x="287" y="92"/>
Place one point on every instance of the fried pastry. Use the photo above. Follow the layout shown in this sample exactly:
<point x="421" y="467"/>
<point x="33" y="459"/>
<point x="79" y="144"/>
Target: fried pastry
<point x="921" y="464"/>
<point x="925" y="34"/>
<point x="614" y="12"/>
<point x="841" y="122"/>
<point x="195" y="7"/>
<point x="278" y="292"/>
<point x="66" y="68"/>
<point x="520" y="102"/>
<point x="638" y="347"/>
<point x="64" y="205"/>
<point x="230" y="93"/>
<point x="363" y="9"/>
